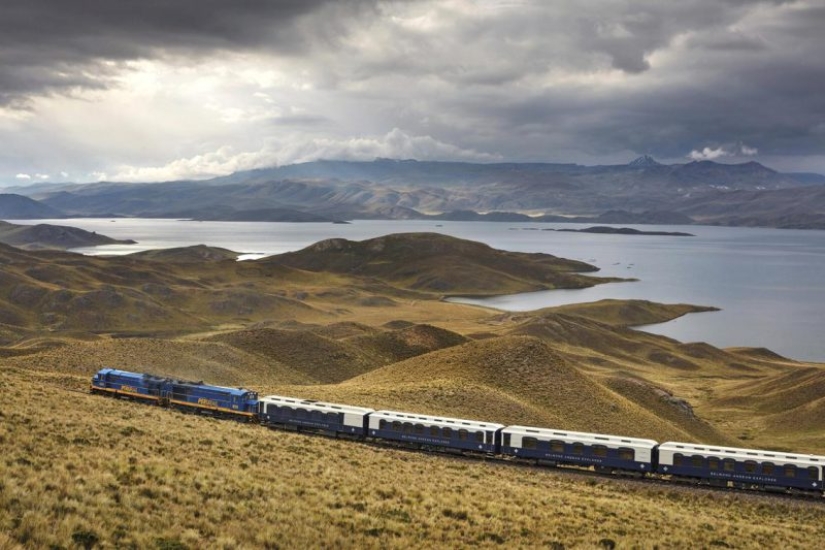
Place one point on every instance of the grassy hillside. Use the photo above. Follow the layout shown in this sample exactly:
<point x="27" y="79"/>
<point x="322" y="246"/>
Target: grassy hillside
<point x="364" y="323"/>
<point x="48" y="237"/>
<point x="437" y="263"/>
<point x="199" y="288"/>
<point x="144" y="477"/>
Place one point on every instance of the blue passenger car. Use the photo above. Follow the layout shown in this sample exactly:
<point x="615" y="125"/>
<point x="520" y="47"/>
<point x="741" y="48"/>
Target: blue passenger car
<point x="730" y="466"/>
<point x="433" y="431"/>
<point x="602" y="452"/>
<point x="310" y="415"/>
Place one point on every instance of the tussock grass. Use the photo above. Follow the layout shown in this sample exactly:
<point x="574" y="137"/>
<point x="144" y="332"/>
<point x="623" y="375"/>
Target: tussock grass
<point x="362" y="323"/>
<point x="81" y="469"/>
<point x="85" y="470"/>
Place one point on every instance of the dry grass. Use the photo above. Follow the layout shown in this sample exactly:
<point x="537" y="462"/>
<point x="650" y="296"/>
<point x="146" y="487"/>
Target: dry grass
<point x="80" y="469"/>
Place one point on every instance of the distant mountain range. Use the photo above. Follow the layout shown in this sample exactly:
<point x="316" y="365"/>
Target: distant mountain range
<point x="642" y="191"/>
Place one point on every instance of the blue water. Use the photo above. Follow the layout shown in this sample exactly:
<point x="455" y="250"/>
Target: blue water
<point x="769" y="283"/>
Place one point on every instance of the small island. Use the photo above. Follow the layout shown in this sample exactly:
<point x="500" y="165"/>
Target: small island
<point x="625" y="231"/>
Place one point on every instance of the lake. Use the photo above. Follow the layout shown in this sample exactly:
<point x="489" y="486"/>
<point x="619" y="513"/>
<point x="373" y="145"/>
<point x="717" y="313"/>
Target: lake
<point x="769" y="283"/>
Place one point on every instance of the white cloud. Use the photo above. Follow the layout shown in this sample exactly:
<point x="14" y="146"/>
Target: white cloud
<point x="224" y="161"/>
<point x="729" y="150"/>
<point x="23" y="177"/>
<point x="709" y="154"/>
<point x="395" y="144"/>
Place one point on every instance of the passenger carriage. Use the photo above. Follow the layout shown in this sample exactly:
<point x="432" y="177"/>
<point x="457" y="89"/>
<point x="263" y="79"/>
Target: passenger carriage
<point x="746" y="468"/>
<point x="603" y="452"/>
<point x="435" y="431"/>
<point x="309" y="415"/>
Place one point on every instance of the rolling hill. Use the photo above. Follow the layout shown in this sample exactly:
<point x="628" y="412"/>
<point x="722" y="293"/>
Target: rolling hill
<point x="433" y="262"/>
<point x="363" y="322"/>
<point x="51" y="237"/>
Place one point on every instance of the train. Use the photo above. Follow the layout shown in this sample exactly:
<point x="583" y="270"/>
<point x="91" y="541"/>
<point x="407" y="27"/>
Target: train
<point x="709" y="465"/>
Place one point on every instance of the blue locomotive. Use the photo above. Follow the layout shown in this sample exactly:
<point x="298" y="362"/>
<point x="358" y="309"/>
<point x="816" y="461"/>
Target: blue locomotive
<point x="699" y="464"/>
<point x="236" y="403"/>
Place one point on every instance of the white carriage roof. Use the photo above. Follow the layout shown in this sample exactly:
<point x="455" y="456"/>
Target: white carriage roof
<point x="312" y="404"/>
<point x="441" y="420"/>
<point x="735" y="452"/>
<point x="548" y="433"/>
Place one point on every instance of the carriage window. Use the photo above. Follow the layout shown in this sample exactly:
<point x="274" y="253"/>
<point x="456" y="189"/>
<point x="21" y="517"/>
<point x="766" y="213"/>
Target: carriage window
<point x="434" y="431"/>
<point x="557" y="446"/>
<point x="489" y="438"/>
<point x="419" y="429"/>
<point x="382" y="424"/>
<point x="627" y="454"/>
<point x="713" y="463"/>
<point x="396" y="426"/>
<point x="447" y="432"/>
<point x="578" y="449"/>
<point x="790" y="470"/>
<point x="408" y="428"/>
<point x="697" y="461"/>
<point x="506" y="440"/>
<point x="750" y="466"/>
<point x="767" y="468"/>
<point x="678" y="460"/>
<point x="729" y="464"/>
<point x="462" y="434"/>
<point x="480" y="437"/>
<point x="529" y="442"/>
<point x="813" y="472"/>
<point x="599" y="450"/>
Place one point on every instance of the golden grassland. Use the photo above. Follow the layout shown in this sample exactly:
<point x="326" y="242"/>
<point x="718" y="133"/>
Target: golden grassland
<point x="365" y="324"/>
<point x="87" y="471"/>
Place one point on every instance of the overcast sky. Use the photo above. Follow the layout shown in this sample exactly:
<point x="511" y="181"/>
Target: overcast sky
<point x="151" y="90"/>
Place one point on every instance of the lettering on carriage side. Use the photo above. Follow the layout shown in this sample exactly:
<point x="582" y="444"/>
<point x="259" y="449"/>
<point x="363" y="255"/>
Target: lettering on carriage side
<point x="128" y="389"/>
<point x="207" y="402"/>
<point x="744" y="477"/>
<point x="310" y="423"/>
<point x="576" y="458"/>
<point x="424" y="439"/>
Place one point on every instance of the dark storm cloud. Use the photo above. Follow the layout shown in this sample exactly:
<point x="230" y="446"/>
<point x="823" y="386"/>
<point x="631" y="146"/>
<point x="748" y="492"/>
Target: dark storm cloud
<point x="743" y="73"/>
<point x="514" y="79"/>
<point x="57" y="45"/>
